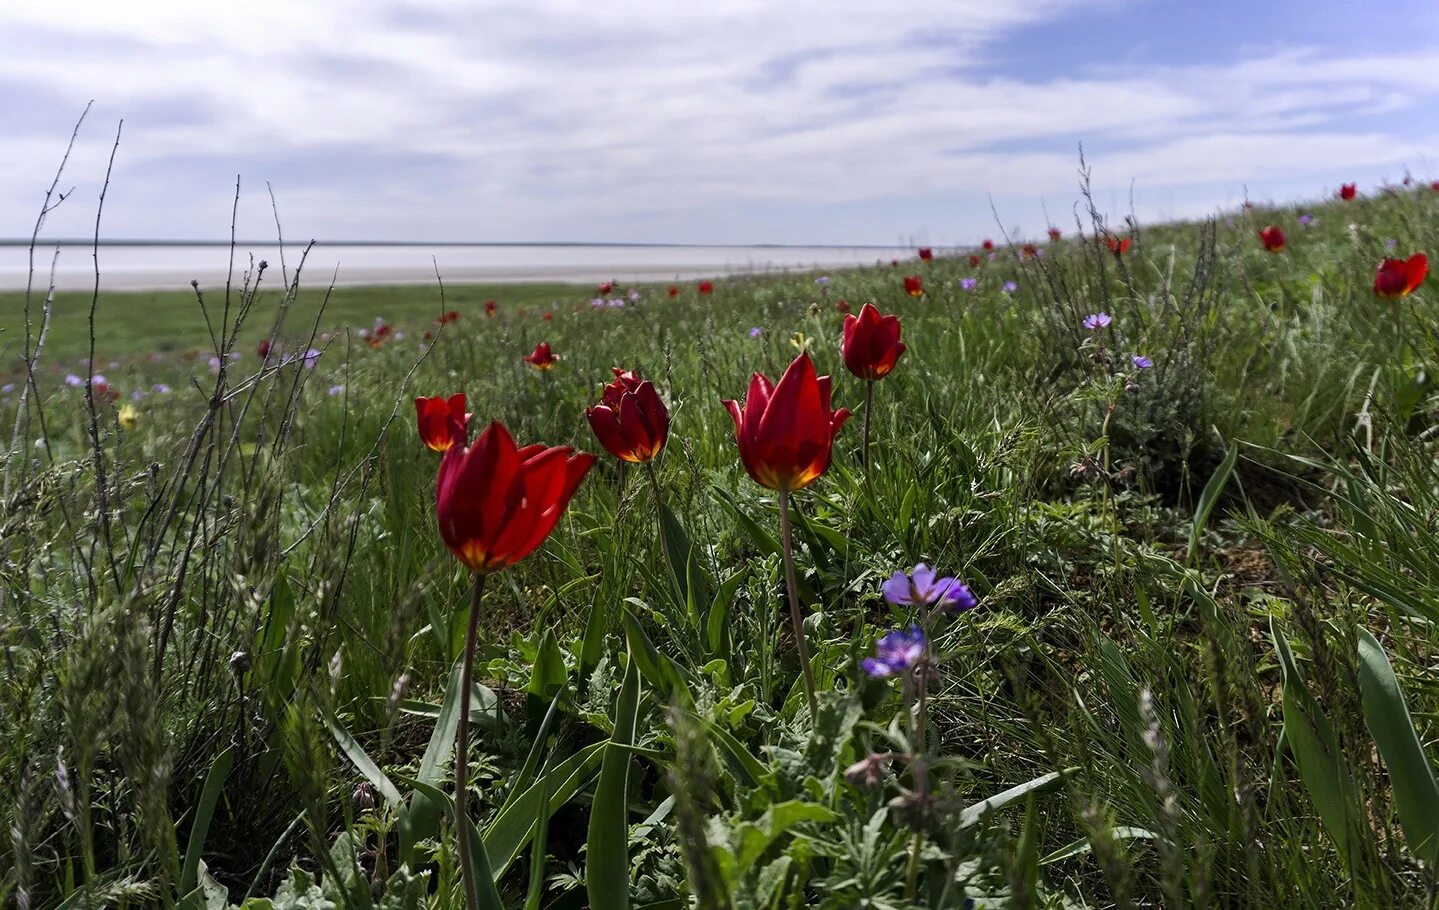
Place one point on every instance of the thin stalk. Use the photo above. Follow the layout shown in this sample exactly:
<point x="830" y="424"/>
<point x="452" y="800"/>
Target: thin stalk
<point x="462" y="747"/>
<point x="794" y="614"/>
<point x="864" y="446"/>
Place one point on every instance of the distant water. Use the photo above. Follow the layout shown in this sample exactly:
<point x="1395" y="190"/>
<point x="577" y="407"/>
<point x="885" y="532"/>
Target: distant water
<point x="161" y="267"/>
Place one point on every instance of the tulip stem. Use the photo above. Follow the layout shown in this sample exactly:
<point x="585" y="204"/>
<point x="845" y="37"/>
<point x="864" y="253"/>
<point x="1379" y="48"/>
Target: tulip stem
<point x="801" y="645"/>
<point x="864" y="446"/>
<point x="462" y="747"/>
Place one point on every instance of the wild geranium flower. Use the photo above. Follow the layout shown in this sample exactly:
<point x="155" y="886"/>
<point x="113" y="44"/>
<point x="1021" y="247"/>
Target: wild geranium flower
<point x="1348" y="191"/>
<point x="598" y="303"/>
<point x="969" y="284"/>
<point x="1055" y="233"/>
<point x="921" y="588"/>
<point x="630" y="421"/>
<point x="542" y="358"/>
<point x="1117" y="245"/>
<point x="1272" y="238"/>
<point x="786" y="431"/>
<point x="73" y="381"/>
<point x="336" y="390"/>
<point x="914" y="285"/>
<point x="897" y="652"/>
<point x="756" y="332"/>
<point x="925" y="253"/>
<point x="1141" y="362"/>
<point x="871" y="345"/>
<point x="1400" y="277"/>
<point x="495" y="502"/>
<point x="822" y="280"/>
<point x="1306" y="220"/>
<point x="161" y="389"/>
<point x="706" y="288"/>
<point x="1010" y="287"/>
<point x="311" y="358"/>
<point x="1096" y="321"/>
<point x="442" y="422"/>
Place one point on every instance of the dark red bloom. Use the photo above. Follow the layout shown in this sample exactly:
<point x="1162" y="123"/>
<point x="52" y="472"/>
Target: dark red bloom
<point x="381" y="332"/>
<point x="1248" y="206"/>
<point x="447" y="318"/>
<point x="442" y="421"/>
<point x="549" y="317"/>
<point x="1272" y="238"/>
<point x="842" y="305"/>
<point x="786" y="431"/>
<point x="926" y="253"/>
<point x="1117" y="245"/>
<point x="496" y="503"/>
<point x="974" y="261"/>
<point x="706" y="287"/>
<point x="605" y="287"/>
<point x="871" y="345"/>
<point x="1055" y="233"/>
<point x="1348" y="191"/>
<point x="1434" y="186"/>
<point x="1028" y="251"/>
<point x="490" y="308"/>
<point x="987" y="245"/>
<point x="630" y="421"/>
<point x="674" y="290"/>
<point x="894" y="263"/>
<point x="429" y="336"/>
<point x="1401" y="277"/>
<point x="264" y="349"/>
<point x="543" y="358"/>
<point x="913" y="285"/>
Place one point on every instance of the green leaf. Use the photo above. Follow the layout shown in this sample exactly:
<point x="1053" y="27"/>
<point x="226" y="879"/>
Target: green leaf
<point x="971" y="815"/>
<point x="1084" y="845"/>
<point x="607" y="868"/>
<point x="1416" y="793"/>
<point x="549" y="675"/>
<point x="754" y="838"/>
<point x="515" y="823"/>
<point x="361" y="760"/>
<point x="717" y="637"/>
<point x="689" y="574"/>
<point x="485" y="891"/>
<point x="204" y="814"/>
<point x="420" y="820"/>
<point x="1210" y="497"/>
<point x="662" y="672"/>
<point x="1316" y="752"/>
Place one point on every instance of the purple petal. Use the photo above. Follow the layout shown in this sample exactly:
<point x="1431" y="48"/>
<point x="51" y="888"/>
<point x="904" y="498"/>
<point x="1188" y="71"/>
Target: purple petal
<point x="923" y="577"/>
<point x="896" y="589"/>
<point x="876" y="667"/>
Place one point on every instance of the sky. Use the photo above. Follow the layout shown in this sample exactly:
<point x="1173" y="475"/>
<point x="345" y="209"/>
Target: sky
<point x="724" y="121"/>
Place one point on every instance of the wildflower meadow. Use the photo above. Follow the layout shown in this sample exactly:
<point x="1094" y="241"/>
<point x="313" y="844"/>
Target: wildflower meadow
<point x="1090" y="565"/>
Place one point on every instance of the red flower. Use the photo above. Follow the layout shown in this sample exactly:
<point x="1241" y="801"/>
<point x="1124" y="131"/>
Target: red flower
<point x="974" y="262"/>
<point x="674" y="290"/>
<point x="1272" y="238"/>
<point x="894" y="263"/>
<point x="490" y="307"/>
<point x="913" y="286"/>
<point x="382" y="331"/>
<point x="543" y="358"/>
<point x="447" y="318"/>
<point x="630" y="421"/>
<point x="786" y="431"/>
<point x="429" y="336"/>
<point x="442" y="421"/>
<point x="1028" y="251"/>
<point x="842" y="305"/>
<point x="1055" y="233"/>
<point x="1348" y="191"/>
<point x="1434" y="186"/>
<point x="264" y="349"/>
<point x="871" y="345"/>
<point x="496" y="503"/>
<point x="549" y="317"/>
<point x="1117" y="245"/>
<point x="605" y="287"/>
<point x="1401" y="277"/>
<point x="706" y="287"/>
<point x="926" y="253"/>
<point x="987" y="245"/>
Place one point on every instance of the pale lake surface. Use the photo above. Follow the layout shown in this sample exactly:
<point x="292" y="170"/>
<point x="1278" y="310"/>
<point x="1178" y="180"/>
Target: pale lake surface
<point x="172" y="267"/>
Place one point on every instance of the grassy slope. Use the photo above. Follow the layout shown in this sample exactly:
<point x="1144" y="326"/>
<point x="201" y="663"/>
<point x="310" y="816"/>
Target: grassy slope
<point x="321" y="566"/>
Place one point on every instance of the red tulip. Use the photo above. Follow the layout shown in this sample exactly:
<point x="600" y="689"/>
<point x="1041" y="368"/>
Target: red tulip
<point x="842" y="305"/>
<point x="442" y="421"/>
<point x="987" y="245"/>
<point x="605" y="287"/>
<point x="447" y="318"/>
<point x="497" y="503"/>
<point x="1272" y="238"/>
<point x="1401" y="277"/>
<point x="264" y="349"/>
<point x="1029" y="251"/>
<point x="543" y="358"/>
<point x="786" y="431"/>
<point x="913" y="286"/>
<point x="871" y="345"/>
<point x="894" y="263"/>
<point x="926" y="253"/>
<point x="490" y="307"/>
<point x="674" y="290"/>
<point x="549" y="317"/>
<point x="1434" y="186"/>
<point x="974" y="262"/>
<point x="706" y="287"/>
<point x="630" y="421"/>
<point x="382" y="331"/>
<point x="1348" y="191"/>
<point x="1117" y="245"/>
<point x="1055" y="233"/>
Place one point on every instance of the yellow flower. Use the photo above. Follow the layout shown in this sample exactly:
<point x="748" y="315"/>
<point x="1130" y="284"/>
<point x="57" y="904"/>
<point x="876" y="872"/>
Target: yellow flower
<point x="128" y="417"/>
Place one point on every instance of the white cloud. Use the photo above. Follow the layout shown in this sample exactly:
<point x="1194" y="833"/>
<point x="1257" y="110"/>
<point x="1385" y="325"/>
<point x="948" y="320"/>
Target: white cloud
<point x="639" y="119"/>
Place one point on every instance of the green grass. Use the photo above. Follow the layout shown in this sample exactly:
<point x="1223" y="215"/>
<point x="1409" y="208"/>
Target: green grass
<point x="230" y="627"/>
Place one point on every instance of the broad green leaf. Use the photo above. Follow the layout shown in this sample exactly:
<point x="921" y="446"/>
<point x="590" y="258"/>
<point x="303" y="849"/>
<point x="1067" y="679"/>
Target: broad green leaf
<point x="515" y="823"/>
<point x="204" y="814"/>
<point x="549" y="674"/>
<point x="971" y="815"/>
<point x="489" y="897"/>
<point x="360" y="759"/>
<point x="607" y="866"/>
<point x="1210" y="497"/>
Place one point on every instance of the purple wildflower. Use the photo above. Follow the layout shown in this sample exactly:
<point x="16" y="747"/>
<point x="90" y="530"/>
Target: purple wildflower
<point x="597" y="302"/>
<point x="1141" y="362"/>
<point x="1306" y="220"/>
<point x="214" y="363"/>
<point x="311" y="357"/>
<point x="336" y="390"/>
<point x="634" y="295"/>
<point x="72" y="380"/>
<point x="1010" y="287"/>
<point x="137" y="395"/>
<point x="1096" y="321"/>
<point x="756" y="332"/>
<point x="822" y="280"/>
<point x="7" y="388"/>
<point x="922" y="588"/>
<point x="897" y="652"/>
<point x="161" y="389"/>
<point x="969" y="284"/>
